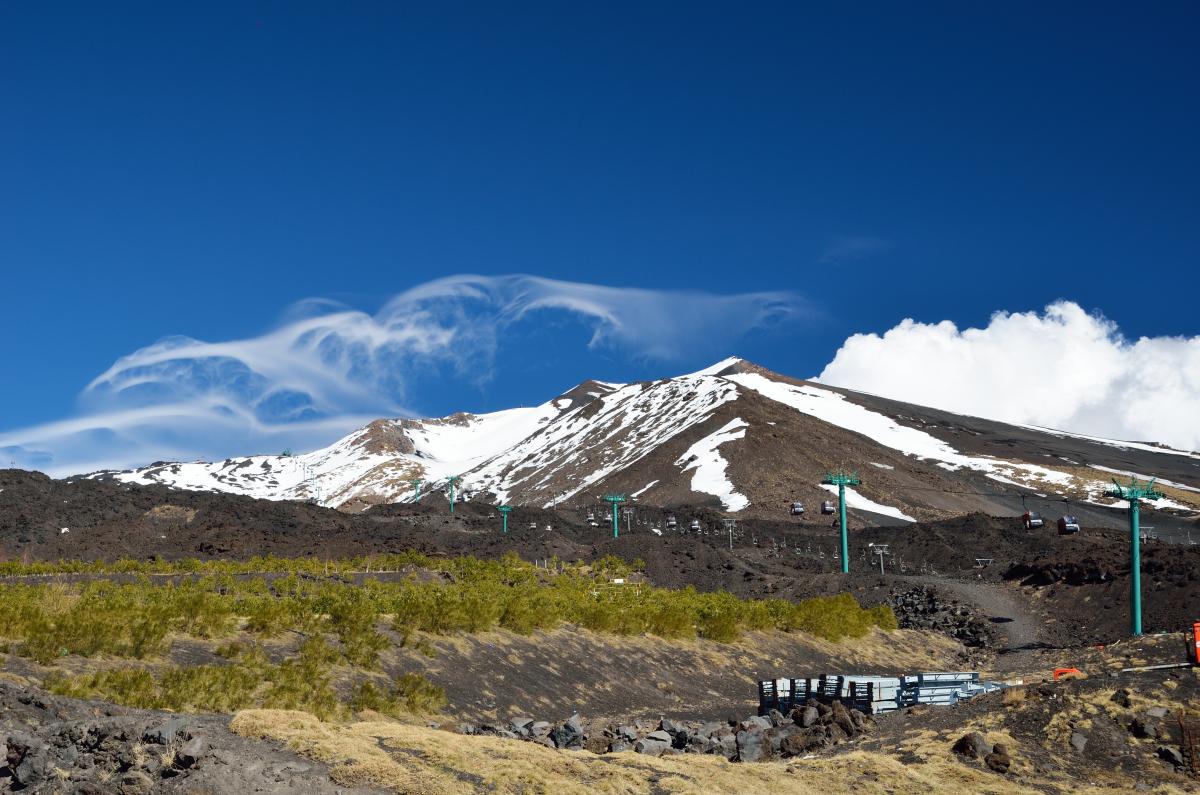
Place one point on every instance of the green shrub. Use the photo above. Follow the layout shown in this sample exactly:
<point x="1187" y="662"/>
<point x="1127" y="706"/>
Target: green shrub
<point x="409" y="694"/>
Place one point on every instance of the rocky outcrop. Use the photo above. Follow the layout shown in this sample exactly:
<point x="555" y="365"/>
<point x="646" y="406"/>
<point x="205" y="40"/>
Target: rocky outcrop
<point x="807" y="728"/>
<point x="50" y="744"/>
<point x="922" y="607"/>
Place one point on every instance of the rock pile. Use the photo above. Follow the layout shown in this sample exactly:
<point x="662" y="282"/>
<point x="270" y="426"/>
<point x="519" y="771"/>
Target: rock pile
<point x="974" y="745"/>
<point x="922" y="608"/>
<point x="106" y="755"/>
<point x="806" y="729"/>
<point x="1088" y="571"/>
<point x="51" y="744"/>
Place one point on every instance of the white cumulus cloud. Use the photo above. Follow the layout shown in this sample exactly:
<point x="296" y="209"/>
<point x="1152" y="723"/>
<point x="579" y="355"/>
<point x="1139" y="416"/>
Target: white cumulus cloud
<point x="1063" y="368"/>
<point x="326" y="368"/>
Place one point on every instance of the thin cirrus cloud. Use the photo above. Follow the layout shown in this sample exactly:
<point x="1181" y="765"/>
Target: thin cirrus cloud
<point x="845" y="249"/>
<point x="1063" y="368"/>
<point x="327" y="368"/>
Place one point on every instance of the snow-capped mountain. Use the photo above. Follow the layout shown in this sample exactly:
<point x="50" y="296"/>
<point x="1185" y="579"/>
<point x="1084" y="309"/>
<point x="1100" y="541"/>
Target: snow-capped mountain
<point x="734" y="435"/>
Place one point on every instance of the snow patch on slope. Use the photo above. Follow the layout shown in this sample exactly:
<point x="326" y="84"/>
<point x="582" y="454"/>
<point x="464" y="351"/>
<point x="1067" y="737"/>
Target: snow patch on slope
<point x="833" y="408"/>
<point x="1120" y="445"/>
<point x="856" y="500"/>
<point x="643" y="490"/>
<point x="719" y="366"/>
<point x="710" y="476"/>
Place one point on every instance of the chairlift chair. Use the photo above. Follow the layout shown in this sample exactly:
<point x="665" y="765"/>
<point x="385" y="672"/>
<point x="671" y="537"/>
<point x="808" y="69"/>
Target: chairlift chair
<point x="671" y="520"/>
<point x="694" y="526"/>
<point x="1033" y="520"/>
<point x="797" y="509"/>
<point x="1067" y="525"/>
<point x="828" y="507"/>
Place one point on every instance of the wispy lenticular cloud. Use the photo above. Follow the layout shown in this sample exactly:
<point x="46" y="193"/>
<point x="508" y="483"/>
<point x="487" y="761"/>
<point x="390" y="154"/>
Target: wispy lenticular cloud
<point x="328" y="368"/>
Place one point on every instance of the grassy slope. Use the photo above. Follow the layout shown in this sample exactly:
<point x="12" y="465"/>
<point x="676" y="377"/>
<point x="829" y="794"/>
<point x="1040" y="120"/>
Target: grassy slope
<point x="411" y="759"/>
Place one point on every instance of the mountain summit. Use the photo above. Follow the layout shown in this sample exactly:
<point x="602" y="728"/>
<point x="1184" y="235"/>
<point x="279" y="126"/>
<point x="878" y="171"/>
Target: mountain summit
<point x="734" y="435"/>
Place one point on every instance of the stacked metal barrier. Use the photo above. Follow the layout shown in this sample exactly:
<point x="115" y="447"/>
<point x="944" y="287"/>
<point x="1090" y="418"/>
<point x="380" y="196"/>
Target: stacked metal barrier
<point x="873" y="694"/>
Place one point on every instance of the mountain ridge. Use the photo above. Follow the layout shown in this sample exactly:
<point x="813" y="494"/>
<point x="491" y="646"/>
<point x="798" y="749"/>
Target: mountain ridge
<point x="734" y="435"/>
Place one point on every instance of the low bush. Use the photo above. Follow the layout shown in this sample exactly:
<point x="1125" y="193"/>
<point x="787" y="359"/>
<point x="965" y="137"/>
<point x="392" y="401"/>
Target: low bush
<point x="409" y="694"/>
<point x="302" y="682"/>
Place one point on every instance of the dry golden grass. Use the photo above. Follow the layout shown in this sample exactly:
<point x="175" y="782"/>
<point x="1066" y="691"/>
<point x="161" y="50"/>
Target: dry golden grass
<point x="413" y="759"/>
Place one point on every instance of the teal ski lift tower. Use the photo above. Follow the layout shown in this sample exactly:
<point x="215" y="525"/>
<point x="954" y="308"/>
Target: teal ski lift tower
<point x="615" y="499"/>
<point x="1134" y="491"/>
<point x="842" y="479"/>
<point x="416" y="489"/>
<point x="453" y="480"/>
<point x="504" y="509"/>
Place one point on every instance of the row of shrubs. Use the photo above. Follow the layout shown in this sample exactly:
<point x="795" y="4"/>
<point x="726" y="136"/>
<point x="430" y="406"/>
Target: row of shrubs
<point x="136" y="620"/>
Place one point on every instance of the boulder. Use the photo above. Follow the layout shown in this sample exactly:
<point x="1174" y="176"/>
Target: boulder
<point x="568" y="735"/>
<point x="651" y="747"/>
<point x="998" y="762"/>
<point x="165" y="733"/>
<point x="1145" y="727"/>
<point x="628" y="733"/>
<point x="660" y="736"/>
<point x="757" y="722"/>
<point x="1170" y="755"/>
<point x="191" y="752"/>
<point x="539" y="728"/>
<point x="33" y="767"/>
<point x="521" y="723"/>
<point x="1157" y="712"/>
<point x="1079" y="741"/>
<point x="805" y="716"/>
<point x="972" y="745"/>
<point x="793" y="745"/>
<point x="752" y="746"/>
<point x="842" y="719"/>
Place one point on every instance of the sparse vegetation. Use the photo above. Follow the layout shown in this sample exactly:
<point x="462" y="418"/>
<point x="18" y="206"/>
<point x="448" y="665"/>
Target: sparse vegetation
<point x="134" y="620"/>
<point x="346" y="624"/>
<point x="302" y="682"/>
<point x="408" y="694"/>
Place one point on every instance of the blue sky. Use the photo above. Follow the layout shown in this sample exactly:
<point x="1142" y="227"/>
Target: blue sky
<point x="198" y="171"/>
